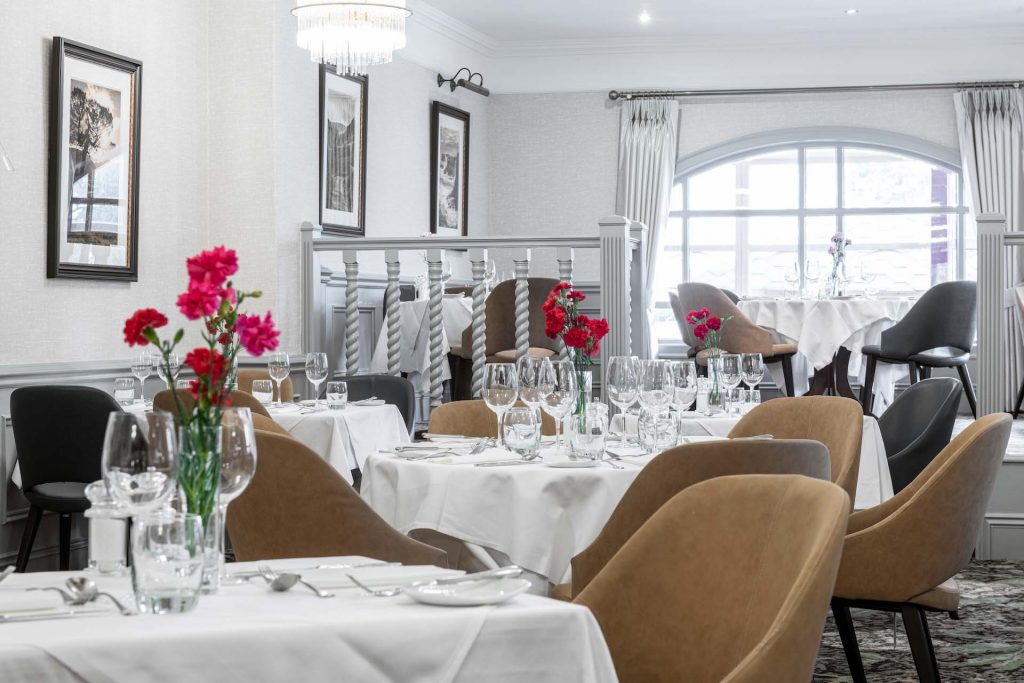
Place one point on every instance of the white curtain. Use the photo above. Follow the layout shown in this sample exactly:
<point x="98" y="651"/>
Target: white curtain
<point x="991" y="146"/>
<point x="647" y="162"/>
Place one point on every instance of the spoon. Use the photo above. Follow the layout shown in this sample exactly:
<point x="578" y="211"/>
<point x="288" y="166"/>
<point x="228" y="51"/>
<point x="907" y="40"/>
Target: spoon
<point x="85" y="590"/>
<point x="500" y="573"/>
<point x="283" y="581"/>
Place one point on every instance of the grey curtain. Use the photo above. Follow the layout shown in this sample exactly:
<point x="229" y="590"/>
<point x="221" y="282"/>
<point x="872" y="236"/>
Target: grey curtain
<point x="647" y="161"/>
<point x="991" y="147"/>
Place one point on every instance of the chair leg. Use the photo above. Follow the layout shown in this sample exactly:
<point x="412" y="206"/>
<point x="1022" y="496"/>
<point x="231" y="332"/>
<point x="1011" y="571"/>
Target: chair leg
<point x="866" y="391"/>
<point x="926" y="372"/>
<point x="844" y="623"/>
<point x="965" y="379"/>
<point x="787" y="375"/>
<point x="913" y="372"/>
<point x="65" y="542"/>
<point x="1020" y="401"/>
<point x="28" y="537"/>
<point x="916" y="624"/>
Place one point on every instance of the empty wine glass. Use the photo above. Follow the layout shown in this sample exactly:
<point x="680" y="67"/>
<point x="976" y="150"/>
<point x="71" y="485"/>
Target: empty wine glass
<point x="560" y="375"/>
<point x="684" y="384"/>
<point x="237" y="463"/>
<point x="622" y="378"/>
<point x="316" y="373"/>
<point x="168" y="368"/>
<point x="730" y="374"/>
<point x="531" y="389"/>
<point x="655" y="385"/>
<point x="752" y="369"/>
<point x="139" y="460"/>
<point x="142" y="367"/>
<point x="812" y="273"/>
<point x="279" y="368"/>
<point x="501" y="387"/>
<point x="867" y="275"/>
<point x="792" y="278"/>
<point x="490" y="274"/>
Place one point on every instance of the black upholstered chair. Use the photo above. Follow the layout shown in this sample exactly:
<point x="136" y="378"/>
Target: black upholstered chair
<point x="59" y="432"/>
<point x="936" y="333"/>
<point x="918" y="426"/>
<point x="388" y="388"/>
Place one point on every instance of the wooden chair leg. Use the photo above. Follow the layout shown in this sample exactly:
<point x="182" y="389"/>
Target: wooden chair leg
<point x="916" y="624"/>
<point x="28" y="537"/>
<point x="867" y="391"/>
<point x="965" y="379"/>
<point x="65" y="542"/>
<point x="844" y="623"/>
<point x="787" y="375"/>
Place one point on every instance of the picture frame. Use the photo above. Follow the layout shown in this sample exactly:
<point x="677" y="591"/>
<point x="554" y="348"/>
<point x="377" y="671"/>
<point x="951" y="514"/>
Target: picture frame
<point x="449" y="170"/>
<point x="343" y="107"/>
<point x="95" y="132"/>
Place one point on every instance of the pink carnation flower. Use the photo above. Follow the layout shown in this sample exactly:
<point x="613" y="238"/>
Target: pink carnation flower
<point x="214" y="265"/>
<point x="201" y="298"/>
<point x="257" y="335"/>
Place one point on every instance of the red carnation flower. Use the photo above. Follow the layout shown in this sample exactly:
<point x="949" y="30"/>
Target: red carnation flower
<point x="594" y="349"/>
<point x="201" y="298"/>
<point x="576" y="338"/>
<point x="137" y="324"/>
<point x="206" y="364"/>
<point x="703" y="313"/>
<point x="714" y="323"/>
<point x="554" y="322"/>
<point x="700" y="332"/>
<point x="692" y="317"/>
<point x="560" y="287"/>
<point x="576" y="296"/>
<point x="598" y="328"/>
<point x="257" y="335"/>
<point x="213" y="266"/>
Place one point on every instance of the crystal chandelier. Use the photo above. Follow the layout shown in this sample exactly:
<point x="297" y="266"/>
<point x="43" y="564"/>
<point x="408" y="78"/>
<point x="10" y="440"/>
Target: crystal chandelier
<point x="353" y="35"/>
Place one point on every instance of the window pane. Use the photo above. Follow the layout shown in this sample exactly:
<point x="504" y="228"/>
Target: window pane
<point x="762" y="181"/>
<point x="676" y="198"/>
<point x="876" y="178"/>
<point x="907" y="253"/>
<point x="712" y="253"/>
<point x="772" y="251"/>
<point x="821" y="181"/>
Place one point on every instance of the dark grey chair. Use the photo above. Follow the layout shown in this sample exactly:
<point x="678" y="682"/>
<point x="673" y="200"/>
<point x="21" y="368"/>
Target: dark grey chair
<point x="917" y="426"/>
<point x="390" y="389"/>
<point x="59" y="433"/>
<point x="936" y="333"/>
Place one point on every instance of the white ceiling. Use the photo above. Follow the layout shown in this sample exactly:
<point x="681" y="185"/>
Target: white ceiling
<point x="518" y="21"/>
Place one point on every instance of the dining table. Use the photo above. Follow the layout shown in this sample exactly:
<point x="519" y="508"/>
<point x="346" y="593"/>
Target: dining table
<point x="249" y="633"/>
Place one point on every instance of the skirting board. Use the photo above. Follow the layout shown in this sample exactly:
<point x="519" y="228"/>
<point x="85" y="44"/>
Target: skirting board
<point x="1001" y="537"/>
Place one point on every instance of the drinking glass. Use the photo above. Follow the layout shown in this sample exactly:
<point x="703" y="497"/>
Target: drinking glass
<point x="868" y="276"/>
<point x="560" y="375"/>
<point x="622" y="377"/>
<point x="182" y="384"/>
<point x="490" y="275"/>
<point x="792" y="278"/>
<point x="142" y="367"/>
<point x="138" y="461"/>
<point x="812" y="274"/>
<point x="124" y="390"/>
<point x="316" y="372"/>
<point x="237" y="463"/>
<point x="684" y="384"/>
<point x="657" y="431"/>
<point x="531" y="389"/>
<point x="337" y="395"/>
<point x="656" y="390"/>
<point x="522" y="431"/>
<point x="263" y="390"/>
<point x="730" y="374"/>
<point x="168" y="369"/>
<point x="752" y="369"/>
<point x="279" y="368"/>
<point x="753" y="399"/>
<point x="501" y="387"/>
<point x="588" y="434"/>
<point x="167" y="562"/>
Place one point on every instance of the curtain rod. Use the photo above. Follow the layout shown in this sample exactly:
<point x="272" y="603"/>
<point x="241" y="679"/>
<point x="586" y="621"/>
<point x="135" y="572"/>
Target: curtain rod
<point x="641" y="94"/>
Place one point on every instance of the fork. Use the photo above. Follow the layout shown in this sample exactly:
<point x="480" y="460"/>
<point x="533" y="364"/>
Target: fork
<point x="499" y="573"/>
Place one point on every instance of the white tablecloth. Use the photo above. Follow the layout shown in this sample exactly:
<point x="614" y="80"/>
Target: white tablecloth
<point x="819" y="327"/>
<point x="248" y="633"/>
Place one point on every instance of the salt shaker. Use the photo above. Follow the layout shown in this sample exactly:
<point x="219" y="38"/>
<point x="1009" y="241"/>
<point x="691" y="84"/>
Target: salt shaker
<point x="108" y="528"/>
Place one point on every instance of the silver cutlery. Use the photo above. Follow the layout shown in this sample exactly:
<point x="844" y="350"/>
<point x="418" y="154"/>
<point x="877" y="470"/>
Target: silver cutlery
<point x="504" y="463"/>
<point x="43" y="616"/>
<point x="489" y="575"/>
<point x="283" y="581"/>
<point x="613" y="464"/>
<point x="82" y="590"/>
<point x="253" y="574"/>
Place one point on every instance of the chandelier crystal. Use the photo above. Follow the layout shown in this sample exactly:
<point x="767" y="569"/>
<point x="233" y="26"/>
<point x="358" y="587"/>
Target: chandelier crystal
<point x="352" y="36"/>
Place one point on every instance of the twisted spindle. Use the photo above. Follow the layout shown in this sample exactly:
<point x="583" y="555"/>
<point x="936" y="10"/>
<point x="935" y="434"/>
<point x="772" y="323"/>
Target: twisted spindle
<point x="565" y="258"/>
<point x="479" y="335"/>
<point x="392" y="304"/>
<point x="434" y="313"/>
<point x="522" y="309"/>
<point x="351" y="317"/>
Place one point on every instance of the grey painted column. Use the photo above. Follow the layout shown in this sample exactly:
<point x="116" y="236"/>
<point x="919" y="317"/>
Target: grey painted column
<point x="435" y="324"/>
<point x="393" y="310"/>
<point x="616" y="256"/>
<point x="521" y="258"/>
<point x="351" y="259"/>
<point x="640" y="333"/>
<point x="991" y="329"/>
<point x="312" y="288"/>
<point x="478" y="259"/>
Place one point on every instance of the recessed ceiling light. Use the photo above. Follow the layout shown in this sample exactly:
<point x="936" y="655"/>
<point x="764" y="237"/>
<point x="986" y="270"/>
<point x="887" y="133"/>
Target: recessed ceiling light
<point x="852" y="11"/>
<point x="644" y="17"/>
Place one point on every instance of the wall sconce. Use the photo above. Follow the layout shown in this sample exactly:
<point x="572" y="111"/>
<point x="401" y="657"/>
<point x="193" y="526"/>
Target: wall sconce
<point x="467" y="83"/>
<point x="4" y="159"/>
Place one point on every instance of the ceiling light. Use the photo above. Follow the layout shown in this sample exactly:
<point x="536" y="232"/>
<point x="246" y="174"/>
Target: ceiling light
<point x="354" y="35"/>
<point x="852" y="11"/>
<point x="645" y="17"/>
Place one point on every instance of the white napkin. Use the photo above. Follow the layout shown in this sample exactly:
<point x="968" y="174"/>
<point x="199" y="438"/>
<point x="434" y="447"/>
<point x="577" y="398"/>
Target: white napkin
<point x="19" y="600"/>
<point x="369" y="402"/>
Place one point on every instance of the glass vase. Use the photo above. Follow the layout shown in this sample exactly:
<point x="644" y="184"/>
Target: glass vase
<point x="199" y="478"/>
<point x="584" y="391"/>
<point x="715" y="404"/>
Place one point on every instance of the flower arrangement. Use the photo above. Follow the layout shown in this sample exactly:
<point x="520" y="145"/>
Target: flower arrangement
<point x="708" y="329"/>
<point x="580" y="334"/>
<point x="837" y="250"/>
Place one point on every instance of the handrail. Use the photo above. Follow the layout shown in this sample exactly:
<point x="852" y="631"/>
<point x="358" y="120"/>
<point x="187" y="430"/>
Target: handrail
<point x="405" y="243"/>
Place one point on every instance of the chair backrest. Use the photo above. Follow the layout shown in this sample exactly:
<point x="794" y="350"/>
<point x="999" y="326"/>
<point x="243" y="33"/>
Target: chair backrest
<point x="396" y="390"/>
<point x="267" y="424"/>
<point x="729" y="581"/>
<point x="945" y="315"/>
<point x="679" y="313"/>
<point x="297" y="505"/>
<point x="164" y="400"/>
<point x="474" y="418"/>
<point x="500" y="308"/>
<point x="918" y="425"/>
<point x="683" y="466"/>
<point x="464" y="290"/>
<point x="926" y="533"/>
<point x="245" y="378"/>
<point x="834" y="421"/>
<point x="740" y="335"/>
<point x="59" y="432"/>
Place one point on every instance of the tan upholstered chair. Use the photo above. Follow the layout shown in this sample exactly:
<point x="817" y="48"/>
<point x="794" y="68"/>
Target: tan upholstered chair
<point x="297" y="505"/>
<point x="901" y="556"/>
<point x="245" y="378"/>
<point x="474" y="418"/>
<point x="679" y="468"/>
<point x="728" y="581"/>
<point x="740" y="334"/>
<point x="694" y="345"/>
<point x="164" y="400"/>
<point x="834" y="421"/>
<point x="267" y="424"/>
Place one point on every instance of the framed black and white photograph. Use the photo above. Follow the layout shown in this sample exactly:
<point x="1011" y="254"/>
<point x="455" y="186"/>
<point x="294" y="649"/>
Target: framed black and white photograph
<point x="94" y="163"/>
<point x="449" y="169"/>
<point x="342" y="152"/>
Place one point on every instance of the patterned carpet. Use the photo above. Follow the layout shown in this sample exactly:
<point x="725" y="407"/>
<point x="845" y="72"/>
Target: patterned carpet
<point x="986" y="644"/>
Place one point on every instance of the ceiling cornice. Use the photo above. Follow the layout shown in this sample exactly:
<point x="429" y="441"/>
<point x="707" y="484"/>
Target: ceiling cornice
<point x="451" y="28"/>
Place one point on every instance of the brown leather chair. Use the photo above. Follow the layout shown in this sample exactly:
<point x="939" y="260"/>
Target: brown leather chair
<point x="679" y="468"/>
<point x="297" y="505"/>
<point x="474" y="418"/>
<point x="901" y="556"/>
<point x="728" y="581"/>
<point x="834" y="421"/>
<point x="244" y="380"/>
<point x="740" y="334"/>
<point x="164" y="400"/>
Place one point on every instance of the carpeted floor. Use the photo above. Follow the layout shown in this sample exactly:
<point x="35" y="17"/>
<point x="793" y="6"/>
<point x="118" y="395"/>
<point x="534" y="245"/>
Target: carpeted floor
<point x="986" y="644"/>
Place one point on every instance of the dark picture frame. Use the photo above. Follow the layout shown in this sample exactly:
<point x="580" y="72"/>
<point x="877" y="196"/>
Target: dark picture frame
<point x="95" y="132"/>
<point x="449" y="170"/>
<point x="343" y="109"/>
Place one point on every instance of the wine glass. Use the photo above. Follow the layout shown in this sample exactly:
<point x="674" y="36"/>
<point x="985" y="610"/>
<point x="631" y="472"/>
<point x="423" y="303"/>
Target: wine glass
<point x="139" y="460"/>
<point x="730" y="373"/>
<point x="867" y="274"/>
<point x="490" y="274"/>
<point x="655" y="384"/>
<point x="752" y="369"/>
<point x="792" y="278"/>
<point x="316" y="373"/>
<point x="142" y="367"/>
<point x="531" y="388"/>
<point x="279" y="369"/>
<point x="263" y="390"/>
<point x="684" y="384"/>
<point x="237" y="463"/>
<point x="812" y="273"/>
<point x="560" y="375"/>
<point x="168" y="369"/>
<point x="622" y="377"/>
<point x="501" y="387"/>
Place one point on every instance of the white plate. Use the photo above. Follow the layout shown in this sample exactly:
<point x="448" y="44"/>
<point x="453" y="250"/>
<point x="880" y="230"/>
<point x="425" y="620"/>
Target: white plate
<point x="470" y="593"/>
<point x="366" y="402"/>
<point x="286" y="408"/>
<point x="572" y="463"/>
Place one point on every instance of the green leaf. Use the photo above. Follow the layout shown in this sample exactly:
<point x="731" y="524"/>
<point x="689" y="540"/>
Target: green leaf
<point x="178" y="335"/>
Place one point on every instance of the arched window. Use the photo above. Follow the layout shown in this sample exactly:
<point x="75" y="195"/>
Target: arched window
<point x="755" y="216"/>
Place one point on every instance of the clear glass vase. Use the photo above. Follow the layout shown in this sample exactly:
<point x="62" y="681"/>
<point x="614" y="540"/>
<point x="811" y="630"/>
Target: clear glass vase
<point x="715" y="403"/>
<point x="199" y="478"/>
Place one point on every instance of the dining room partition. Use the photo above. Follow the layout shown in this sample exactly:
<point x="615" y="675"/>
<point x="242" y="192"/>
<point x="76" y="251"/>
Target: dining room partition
<point x="618" y="245"/>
